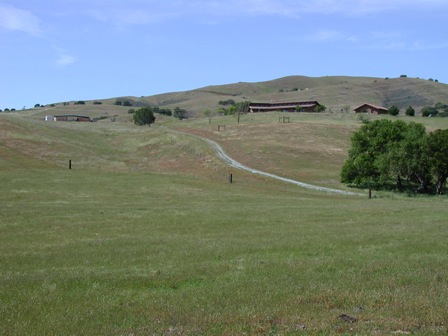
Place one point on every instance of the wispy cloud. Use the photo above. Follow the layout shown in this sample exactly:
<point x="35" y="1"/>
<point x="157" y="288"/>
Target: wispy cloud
<point x="419" y="45"/>
<point x="330" y="35"/>
<point x="15" y="19"/>
<point x="64" y="59"/>
<point x="299" y="8"/>
<point x="139" y="12"/>
<point x="362" y="7"/>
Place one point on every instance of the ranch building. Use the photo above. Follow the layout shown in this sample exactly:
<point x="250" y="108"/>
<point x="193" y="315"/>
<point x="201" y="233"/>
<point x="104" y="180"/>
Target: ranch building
<point x="71" y="117"/>
<point x="370" y="108"/>
<point x="304" y="106"/>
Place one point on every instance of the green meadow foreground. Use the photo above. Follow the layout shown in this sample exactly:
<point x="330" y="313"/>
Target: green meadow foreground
<point x="145" y="237"/>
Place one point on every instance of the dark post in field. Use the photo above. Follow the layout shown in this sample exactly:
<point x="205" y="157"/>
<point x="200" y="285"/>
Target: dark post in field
<point x="230" y="178"/>
<point x="69" y="164"/>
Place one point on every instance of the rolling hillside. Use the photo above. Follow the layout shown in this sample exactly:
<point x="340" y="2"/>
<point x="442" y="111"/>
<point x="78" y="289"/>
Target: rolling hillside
<point x="334" y="92"/>
<point x="145" y="235"/>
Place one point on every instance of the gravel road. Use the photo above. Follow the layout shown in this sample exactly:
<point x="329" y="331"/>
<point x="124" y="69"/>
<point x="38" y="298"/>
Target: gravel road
<point x="220" y="151"/>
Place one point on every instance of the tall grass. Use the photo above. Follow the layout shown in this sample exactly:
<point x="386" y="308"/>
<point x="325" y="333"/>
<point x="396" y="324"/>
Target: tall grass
<point x="105" y="253"/>
<point x="172" y="248"/>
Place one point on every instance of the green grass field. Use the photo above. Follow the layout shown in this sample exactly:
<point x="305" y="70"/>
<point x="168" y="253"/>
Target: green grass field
<point x="144" y="236"/>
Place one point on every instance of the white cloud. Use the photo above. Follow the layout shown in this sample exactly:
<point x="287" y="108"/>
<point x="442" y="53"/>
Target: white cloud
<point x="139" y="14"/>
<point x="12" y="18"/>
<point x="362" y="7"/>
<point x="419" y="45"/>
<point x="143" y="12"/>
<point x="65" y="59"/>
<point x="324" y="35"/>
<point x="294" y="8"/>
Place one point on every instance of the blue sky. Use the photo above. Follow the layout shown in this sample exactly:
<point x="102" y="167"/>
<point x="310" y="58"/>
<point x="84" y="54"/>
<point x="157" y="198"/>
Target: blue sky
<point x="60" y="50"/>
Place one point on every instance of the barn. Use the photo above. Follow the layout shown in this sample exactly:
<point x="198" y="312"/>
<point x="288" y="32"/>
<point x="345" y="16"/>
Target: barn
<point x="370" y="108"/>
<point x="303" y="106"/>
<point x="71" y="117"/>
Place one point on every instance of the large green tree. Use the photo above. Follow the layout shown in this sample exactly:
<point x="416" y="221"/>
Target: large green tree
<point x="438" y="153"/>
<point x="385" y="152"/>
<point x="365" y="165"/>
<point x="408" y="159"/>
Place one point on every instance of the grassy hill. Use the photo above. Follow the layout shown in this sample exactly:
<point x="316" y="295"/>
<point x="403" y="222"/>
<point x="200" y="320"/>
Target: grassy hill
<point x="335" y="92"/>
<point x="144" y="235"/>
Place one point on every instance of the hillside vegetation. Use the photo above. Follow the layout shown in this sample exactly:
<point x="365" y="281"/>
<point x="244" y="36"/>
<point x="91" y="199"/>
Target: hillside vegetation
<point x="335" y="92"/>
<point x="146" y="236"/>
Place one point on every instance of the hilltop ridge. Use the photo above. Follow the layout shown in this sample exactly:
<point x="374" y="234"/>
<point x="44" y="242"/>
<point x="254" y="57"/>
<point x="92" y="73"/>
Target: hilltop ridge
<point x="335" y="92"/>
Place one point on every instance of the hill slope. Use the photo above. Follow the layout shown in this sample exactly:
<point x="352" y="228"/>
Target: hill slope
<point x="337" y="93"/>
<point x="334" y="92"/>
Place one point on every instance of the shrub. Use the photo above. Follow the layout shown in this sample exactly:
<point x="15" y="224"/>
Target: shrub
<point x="429" y="111"/>
<point x="410" y="111"/>
<point x="393" y="110"/>
<point x="180" y="113"/>
<point x="143" y="116"/>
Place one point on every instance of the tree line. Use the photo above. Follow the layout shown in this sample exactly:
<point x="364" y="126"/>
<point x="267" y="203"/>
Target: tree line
<point x="145" y="115"/>
<point x="394" y="155"/>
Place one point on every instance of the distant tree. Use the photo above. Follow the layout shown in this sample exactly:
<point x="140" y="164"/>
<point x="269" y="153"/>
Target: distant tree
<point x="7" y="110"/>
<point x="438" y="149"/>
<point x="441" y="107"/>
<point x="118" y="103"/>
<point x="97" y="103"/>
<point x="320" y="108"/>
<point x="208" y="114"/>
<point x="227" y="102"/>
<point x="13" y="109"/>
<point x="163" y="111"/>
<point x="403" y="76"/>
<point x="393" y="110"/>
<point x="65" y="104"/>
<point x="410" y="111"/>
<point x="429" y="111"/>
<point x="241" y="108"/>
<point x="80" y="102"/>
<point x="131" y="111"/>
<point x="180" y="113"/>
<point x="37" y="105"/>
<point x="143" y="116"/>
<point x="127" y="103"/>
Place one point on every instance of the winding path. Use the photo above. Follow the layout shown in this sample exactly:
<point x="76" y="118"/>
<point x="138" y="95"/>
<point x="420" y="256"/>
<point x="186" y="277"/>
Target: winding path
<point x="220" y="151"/>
